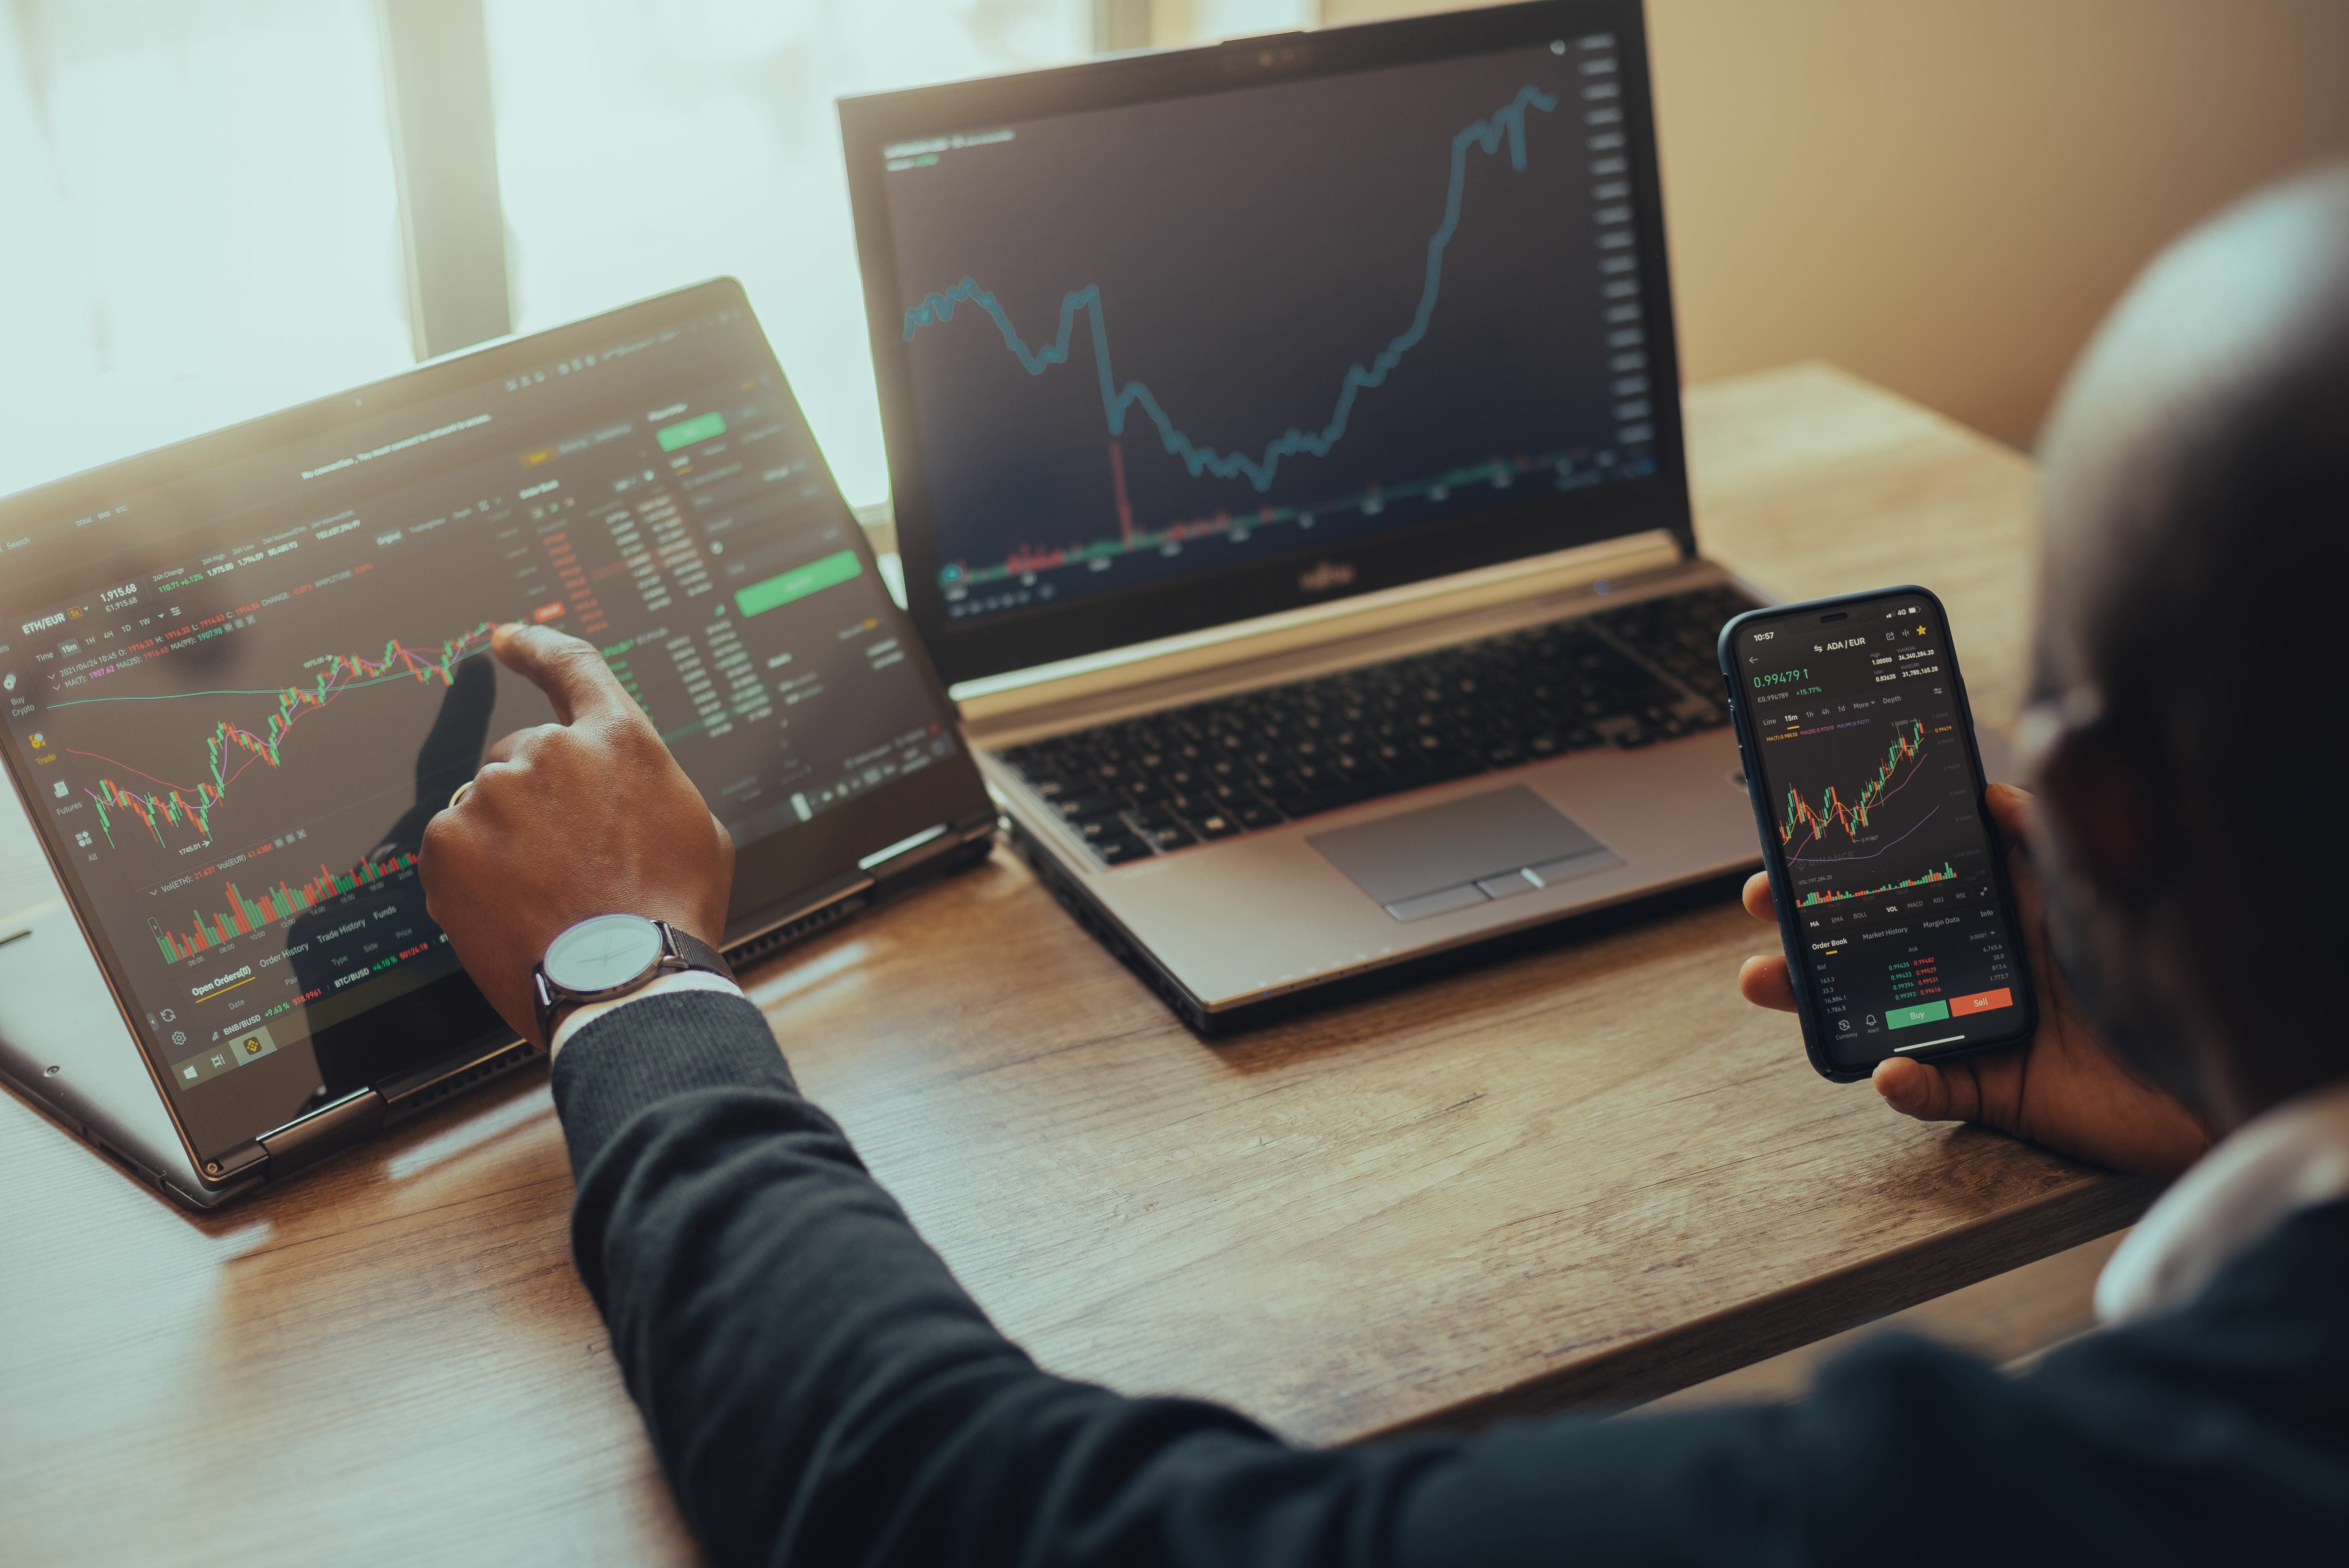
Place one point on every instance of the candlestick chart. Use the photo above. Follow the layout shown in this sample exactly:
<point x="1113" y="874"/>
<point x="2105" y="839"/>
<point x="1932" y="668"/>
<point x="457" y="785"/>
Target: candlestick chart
<point x="232" y="749"/>
<point x="1804" y="826"/>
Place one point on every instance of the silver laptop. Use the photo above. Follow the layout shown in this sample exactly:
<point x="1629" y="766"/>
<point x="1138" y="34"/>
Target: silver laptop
<point x="239" y="675"/>
<point x="1285" y="446"/>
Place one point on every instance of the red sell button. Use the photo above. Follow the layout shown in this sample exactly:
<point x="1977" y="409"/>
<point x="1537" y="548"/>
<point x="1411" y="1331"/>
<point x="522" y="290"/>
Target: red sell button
<point x="1980" y="1002"/>
<point x="547" y="612"/>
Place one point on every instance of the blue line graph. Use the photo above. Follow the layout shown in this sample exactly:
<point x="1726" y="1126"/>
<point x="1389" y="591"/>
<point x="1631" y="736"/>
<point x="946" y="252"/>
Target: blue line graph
<point x="1485" y="135"/>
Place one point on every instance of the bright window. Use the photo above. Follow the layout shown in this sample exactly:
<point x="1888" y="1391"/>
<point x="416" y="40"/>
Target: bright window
<point x="199" y="219"/>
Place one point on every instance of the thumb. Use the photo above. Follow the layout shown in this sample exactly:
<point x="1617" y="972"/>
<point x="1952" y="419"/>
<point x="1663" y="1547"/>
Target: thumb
<point x="571" y="672"/>
<point x="2010" y="807"/>
<point x="1928" y="1092"/>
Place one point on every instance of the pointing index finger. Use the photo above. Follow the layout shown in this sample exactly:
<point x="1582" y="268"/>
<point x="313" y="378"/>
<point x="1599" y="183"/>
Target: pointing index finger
<point x="571" y="672"/>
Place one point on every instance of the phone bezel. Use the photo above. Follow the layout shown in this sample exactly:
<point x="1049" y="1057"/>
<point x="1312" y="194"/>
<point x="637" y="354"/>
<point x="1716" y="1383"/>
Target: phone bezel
<point x="1815" y="1043"/>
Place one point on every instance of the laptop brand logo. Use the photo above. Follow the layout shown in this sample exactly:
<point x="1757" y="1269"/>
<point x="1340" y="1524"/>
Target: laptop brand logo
<point x="1324" y="576"/>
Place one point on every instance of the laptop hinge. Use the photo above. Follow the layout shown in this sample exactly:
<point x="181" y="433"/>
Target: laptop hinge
<point x="311" y="1138"/>
<point x="835" y="900"/>
<point x="910" y="850"/>
<point x="451" y="1074"/>
<point x="994" y="697"/>
<point x="245" y="1159"/>
<point x="909" y="853"/>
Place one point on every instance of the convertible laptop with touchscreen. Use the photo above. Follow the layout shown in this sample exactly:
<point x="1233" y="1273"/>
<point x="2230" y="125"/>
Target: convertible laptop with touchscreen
<point x="239" y="675"/>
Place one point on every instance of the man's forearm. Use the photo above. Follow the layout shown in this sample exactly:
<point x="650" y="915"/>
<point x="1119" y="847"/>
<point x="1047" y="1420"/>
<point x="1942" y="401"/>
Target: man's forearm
<point x="818" y="1386"/>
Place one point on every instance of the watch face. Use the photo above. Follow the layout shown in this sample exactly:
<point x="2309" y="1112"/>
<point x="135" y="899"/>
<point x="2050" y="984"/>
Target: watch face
<point x="602" y="952"/>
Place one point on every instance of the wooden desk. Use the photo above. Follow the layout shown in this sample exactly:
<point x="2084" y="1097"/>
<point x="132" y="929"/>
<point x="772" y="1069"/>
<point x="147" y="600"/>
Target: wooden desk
<point x="1589" y="1174"/>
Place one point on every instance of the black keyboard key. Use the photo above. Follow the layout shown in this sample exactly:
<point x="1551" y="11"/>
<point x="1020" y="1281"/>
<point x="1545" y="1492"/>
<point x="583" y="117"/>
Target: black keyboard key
<point x="1442" y="770"/>
<point x="1084" y="807"/>
<point x="1117" y="851"/>
<point x="1173" y="836"/>
<point x="1256" y="814"/>
<point x="1313" y="803"/>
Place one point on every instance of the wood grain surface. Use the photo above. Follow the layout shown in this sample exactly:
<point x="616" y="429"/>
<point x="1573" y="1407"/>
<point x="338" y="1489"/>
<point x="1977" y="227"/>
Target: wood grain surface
<point x="1587" y="1174"/>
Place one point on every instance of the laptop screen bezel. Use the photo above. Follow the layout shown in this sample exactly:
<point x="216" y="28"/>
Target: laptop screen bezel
<point x="972" y="648"/>
<point x="446" y="1017"/>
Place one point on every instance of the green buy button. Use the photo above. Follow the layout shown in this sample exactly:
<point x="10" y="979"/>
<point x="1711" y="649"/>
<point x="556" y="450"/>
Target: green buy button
<point x="687" y="432"/>
<point x="801" y="581"/>
<point x="1926" y="1013"/>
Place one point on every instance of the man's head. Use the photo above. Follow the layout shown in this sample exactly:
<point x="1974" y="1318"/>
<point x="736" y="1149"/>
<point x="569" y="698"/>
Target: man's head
<point x="2193" y="628"/>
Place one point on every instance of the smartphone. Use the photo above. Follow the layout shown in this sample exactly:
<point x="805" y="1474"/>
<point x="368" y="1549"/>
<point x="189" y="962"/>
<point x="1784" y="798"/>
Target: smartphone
<point x="1889" y="877"/>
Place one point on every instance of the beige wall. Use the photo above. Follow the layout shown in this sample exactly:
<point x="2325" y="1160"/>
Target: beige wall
<point x="1945" y="194"/>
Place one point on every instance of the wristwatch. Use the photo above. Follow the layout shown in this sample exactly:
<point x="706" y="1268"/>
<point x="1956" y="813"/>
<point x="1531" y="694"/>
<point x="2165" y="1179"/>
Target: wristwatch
<point x="604" y="956"/>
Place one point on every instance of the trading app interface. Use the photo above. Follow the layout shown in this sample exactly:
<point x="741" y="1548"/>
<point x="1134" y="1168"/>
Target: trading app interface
<point x="1857" y="726"/>
<point x="1150" y="342"/>
<point x="238" y="724"/>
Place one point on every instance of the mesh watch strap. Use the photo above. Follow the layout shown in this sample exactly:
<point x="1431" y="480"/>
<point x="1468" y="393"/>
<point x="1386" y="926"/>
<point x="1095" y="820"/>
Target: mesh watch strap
<point x="697" y="953"/>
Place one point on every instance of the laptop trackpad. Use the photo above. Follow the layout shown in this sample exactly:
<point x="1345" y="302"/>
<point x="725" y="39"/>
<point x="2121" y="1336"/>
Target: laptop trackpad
<point x="1463" y="852"/>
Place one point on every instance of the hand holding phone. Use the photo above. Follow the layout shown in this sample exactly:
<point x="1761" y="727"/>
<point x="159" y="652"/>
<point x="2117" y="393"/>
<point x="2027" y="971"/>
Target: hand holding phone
<point x="1887" y="875"/>
<point x="1821" y="684"/>
<point x="2063" y="1089"/>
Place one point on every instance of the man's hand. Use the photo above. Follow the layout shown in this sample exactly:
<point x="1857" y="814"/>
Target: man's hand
<point x="587" y="816"/>
<point x="2064" y="1089"/>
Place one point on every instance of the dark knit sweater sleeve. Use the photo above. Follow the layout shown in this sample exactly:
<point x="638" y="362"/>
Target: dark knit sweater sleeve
<point x="820" y="1390"/>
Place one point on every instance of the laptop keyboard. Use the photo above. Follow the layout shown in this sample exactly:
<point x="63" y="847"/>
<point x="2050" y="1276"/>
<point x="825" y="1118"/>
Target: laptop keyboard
<point x="1253" y="760"/>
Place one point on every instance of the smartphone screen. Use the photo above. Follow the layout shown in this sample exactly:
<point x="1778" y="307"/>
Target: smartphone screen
<point x="1859" y="739"/>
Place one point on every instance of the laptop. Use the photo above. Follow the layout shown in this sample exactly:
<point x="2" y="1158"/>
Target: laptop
<point x="1286" y="449"/>
<point x="240" y="674"/>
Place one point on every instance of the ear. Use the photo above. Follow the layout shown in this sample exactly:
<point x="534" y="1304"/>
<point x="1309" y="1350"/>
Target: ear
<point x="2100" y="806"/>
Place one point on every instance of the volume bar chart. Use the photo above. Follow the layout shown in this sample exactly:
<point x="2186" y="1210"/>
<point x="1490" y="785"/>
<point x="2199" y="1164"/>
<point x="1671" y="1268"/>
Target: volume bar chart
<point x="1948" y="873"/>
<point x="1500" y="472"/>
<point x="245" y="916"/>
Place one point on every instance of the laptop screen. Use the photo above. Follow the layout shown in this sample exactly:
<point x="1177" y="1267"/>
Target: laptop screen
<point x="240" y="676"/>
<point x="1143" y="345"/>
